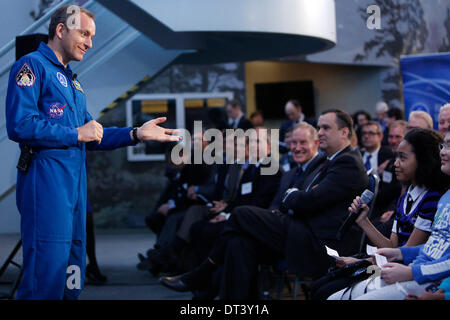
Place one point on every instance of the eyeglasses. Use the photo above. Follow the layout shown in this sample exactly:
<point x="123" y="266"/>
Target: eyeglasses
<point x="445" y="145"/>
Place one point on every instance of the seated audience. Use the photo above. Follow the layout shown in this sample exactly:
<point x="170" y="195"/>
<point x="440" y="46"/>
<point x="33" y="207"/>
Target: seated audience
<point x="256" y="190"/>
<point x="412" y="269"/>
<point x="186" y="181"/>
<point x="243" y="185"/>
<point x="418" y="164"/>
<point x="314" y="211"/>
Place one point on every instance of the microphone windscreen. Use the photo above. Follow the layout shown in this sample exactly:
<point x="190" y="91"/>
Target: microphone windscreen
<point x="367" y="196"/>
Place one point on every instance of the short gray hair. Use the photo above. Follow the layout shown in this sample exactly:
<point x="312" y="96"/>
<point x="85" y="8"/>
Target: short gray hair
<point x="424" y="116"/>
<point x="306" y="125"/>
<point x="61" y="15"/>
<point x="444" y="107"/>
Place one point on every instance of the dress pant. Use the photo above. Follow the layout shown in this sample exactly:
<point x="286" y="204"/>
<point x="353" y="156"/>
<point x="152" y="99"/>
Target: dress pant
<point x="253" y="236"/>
<point x="204" y="236"/>
<point x="193" y="214"/>
<point x="169" y="229"/>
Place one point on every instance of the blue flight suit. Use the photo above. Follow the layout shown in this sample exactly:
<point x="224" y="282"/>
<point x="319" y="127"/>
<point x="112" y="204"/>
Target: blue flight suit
<point x="44" y="106"/>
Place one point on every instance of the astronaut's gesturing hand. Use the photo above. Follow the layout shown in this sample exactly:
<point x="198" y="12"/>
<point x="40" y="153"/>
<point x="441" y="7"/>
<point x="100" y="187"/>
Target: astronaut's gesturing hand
<point x="91" y="131"/>
<point x="151" y="131"/>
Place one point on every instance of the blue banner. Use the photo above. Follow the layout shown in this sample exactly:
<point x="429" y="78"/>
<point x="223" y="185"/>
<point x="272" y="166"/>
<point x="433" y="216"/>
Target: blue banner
<point x="426" y="83"/>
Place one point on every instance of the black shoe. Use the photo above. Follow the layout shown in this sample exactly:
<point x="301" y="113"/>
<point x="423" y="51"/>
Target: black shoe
<point x="175" y="283"/>
<point x="146" y="264"/>
<point x="94" y="276"/>
<point x="198" y="279"/>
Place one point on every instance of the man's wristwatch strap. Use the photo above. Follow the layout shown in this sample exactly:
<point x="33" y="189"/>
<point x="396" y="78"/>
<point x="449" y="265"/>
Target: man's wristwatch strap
<point x="135" y="137"/>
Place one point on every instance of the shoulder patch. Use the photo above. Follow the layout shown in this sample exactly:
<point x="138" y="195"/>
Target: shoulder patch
<point x="25" y="77"/>
<point x="62" y="79"/>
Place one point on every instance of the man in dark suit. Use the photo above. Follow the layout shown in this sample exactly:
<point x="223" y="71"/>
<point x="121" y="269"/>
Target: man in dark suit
<point x="236" y="118"/>
<point x="381" y="158"/>
<point x="304" y="150"/>
<point x="315" y="210"/>
<point x="293" y="110"/>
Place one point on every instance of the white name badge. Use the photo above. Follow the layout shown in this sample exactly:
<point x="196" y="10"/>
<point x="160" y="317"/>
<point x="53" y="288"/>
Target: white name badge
<point x="387" y="176"/>
<point x="286" y="167"/>
<point x="246" y="188"/>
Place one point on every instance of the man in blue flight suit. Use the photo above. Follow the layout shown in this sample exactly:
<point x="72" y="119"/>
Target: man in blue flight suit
<point x="46" y="114"/>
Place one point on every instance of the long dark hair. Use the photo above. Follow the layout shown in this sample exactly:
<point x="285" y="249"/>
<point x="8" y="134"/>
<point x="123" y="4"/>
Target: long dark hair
<point x="425" y="145"/>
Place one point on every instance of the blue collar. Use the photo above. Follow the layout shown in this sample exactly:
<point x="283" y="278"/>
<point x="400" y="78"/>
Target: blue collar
<point x="45" y="50"/>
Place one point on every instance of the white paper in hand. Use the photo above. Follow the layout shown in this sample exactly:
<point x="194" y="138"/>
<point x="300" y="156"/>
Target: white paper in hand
<point x="332" y="253"/>
<point x="381" y="260"/>
<point x="371" y="250"/>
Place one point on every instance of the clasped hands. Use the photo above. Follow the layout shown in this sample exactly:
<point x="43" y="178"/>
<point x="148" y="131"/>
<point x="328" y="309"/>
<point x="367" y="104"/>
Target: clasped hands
<point x="218" y="208"/>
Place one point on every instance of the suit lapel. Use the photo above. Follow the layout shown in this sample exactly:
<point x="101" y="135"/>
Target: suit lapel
<point x="318" y="174"/>
<point x="310" y="172"/>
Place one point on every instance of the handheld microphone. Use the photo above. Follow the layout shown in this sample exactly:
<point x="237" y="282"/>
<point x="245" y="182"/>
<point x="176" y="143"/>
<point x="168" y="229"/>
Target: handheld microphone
<point x="366" y="198"/>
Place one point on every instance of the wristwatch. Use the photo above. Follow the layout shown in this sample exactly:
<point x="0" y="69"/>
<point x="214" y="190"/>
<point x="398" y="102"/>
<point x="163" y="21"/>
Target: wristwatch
<point x="135" y="137"/>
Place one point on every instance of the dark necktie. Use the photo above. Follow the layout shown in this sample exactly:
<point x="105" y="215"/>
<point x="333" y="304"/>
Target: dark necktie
<point x="322" y="169"/>
<point x="296" y="179"/>
<point x="367" y="164"/>
<point x="324" y="166"/>
<point x="409" y="203"/>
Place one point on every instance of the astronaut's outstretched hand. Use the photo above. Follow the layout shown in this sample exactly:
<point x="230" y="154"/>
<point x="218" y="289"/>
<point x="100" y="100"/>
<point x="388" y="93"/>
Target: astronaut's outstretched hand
<point x="151" y="131"/>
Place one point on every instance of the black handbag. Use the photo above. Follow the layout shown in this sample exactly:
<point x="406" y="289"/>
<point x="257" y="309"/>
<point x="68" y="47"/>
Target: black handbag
<point x="356" y="271"/>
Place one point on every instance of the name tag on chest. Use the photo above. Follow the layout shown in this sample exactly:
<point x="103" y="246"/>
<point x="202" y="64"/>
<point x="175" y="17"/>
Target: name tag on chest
<point x="246" y="188"/>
